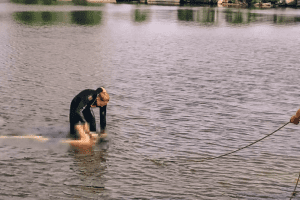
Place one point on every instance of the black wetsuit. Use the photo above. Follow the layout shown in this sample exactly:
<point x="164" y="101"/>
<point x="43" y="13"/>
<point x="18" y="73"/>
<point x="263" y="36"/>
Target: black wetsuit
<point x="81" y="112"/>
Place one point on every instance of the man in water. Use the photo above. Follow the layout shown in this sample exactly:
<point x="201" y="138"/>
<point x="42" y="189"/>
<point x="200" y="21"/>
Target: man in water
<point x="295" y="118"/>
<point x="82" y="119"/>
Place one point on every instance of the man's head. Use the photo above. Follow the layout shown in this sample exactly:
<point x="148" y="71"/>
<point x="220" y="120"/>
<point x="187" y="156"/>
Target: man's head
<point x="102" y="98"/>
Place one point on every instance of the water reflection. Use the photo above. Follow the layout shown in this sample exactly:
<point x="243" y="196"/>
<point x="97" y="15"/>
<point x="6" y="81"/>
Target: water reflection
<point x="185" y="15"/>
<point x="212" y="16"/>
<point x="207" y="16"/>
<point x="44" y="2"/>
<point x="285" y="19"/>
<point x="140" y="16"/>
<point x="86" y="17"/>
<point x="41" y="18"/>
<point x="90" y="18"/>
<point x="90" y="169"/>
<point x="204" y="16"/>
<point x="233" y="17"/>
<point x="47" y="17"/>
<point x="248" y="17"/>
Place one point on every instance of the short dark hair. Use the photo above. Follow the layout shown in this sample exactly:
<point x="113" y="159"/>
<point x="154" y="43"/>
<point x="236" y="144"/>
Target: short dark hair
<point x="99" y="90"/>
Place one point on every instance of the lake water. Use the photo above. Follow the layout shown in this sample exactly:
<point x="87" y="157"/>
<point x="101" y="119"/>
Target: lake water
<point x="185" y="83"/>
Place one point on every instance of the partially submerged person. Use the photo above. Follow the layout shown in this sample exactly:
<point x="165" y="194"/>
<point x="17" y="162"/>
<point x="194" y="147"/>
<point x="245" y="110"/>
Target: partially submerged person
<point x="295" y="118"/>
<point x="82" y="118"/>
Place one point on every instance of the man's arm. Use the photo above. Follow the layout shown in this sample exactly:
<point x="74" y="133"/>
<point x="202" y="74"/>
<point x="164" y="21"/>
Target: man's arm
<point x="102" y="119"/>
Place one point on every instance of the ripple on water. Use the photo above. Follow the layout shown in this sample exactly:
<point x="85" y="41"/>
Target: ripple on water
<point x="185" y="84"/>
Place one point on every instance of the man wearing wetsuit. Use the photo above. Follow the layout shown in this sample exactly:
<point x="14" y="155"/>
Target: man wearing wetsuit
<point x="82" y="119"/>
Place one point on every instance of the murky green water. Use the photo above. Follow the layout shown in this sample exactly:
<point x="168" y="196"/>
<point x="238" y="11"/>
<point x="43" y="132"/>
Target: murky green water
<point x="185" y="83"/>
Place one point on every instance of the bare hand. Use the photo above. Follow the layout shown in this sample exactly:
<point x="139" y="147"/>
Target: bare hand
<point x="294" y="120"/>
<point x="298" y="113"/>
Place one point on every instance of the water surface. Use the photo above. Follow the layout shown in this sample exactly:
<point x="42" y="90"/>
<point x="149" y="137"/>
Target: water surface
<point x="185" y="83"/>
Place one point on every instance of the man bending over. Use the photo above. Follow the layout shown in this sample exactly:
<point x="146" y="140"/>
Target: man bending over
<point x="82" y="119"/>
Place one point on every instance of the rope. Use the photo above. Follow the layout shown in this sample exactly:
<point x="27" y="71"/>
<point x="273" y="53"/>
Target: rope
<point x="294" y="192"/>
<point x="226" y="154"/>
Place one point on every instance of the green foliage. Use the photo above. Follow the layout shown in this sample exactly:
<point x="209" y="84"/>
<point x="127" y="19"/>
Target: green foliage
<point x="270" y="1"/>
<point x="47" y="2"/>
<point x="80" y="2"/>
<point x="251" y="2"/>
<point x="31" y="1"/>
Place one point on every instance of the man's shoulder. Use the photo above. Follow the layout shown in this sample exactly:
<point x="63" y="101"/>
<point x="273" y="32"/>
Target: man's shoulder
<point x="86" y="96"/>
<point x="86" y="92"/>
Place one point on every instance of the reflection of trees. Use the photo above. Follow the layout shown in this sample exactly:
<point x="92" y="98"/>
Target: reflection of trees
<point x="206" y="15"/>
<point x="50" y="18"/>
<point x="185" y="15"/>
<point x="25" y="17"/>
<point x="246" y="18"/>
<point x="45" y="2"/>
<point x="86" y="17"/>
<point x="140" y="16"/>
<point x="285" y="19"/>
<point x="39" y="18"/>
<point x="47" y="16"/>
<point x="252" y="17"/>
<point x="234" y="17"/>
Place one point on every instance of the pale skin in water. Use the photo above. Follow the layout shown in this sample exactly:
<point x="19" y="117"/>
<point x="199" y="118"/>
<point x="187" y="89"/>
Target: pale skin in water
<point x="87" y="139"/>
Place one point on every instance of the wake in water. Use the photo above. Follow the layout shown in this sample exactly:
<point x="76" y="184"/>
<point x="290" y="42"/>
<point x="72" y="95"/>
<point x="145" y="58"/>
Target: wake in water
<point x="56" y="144"/>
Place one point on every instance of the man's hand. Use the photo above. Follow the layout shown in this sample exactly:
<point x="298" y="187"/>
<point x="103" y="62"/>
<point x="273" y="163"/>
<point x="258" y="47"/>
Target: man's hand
<point x="298" y="113"/>
<point x="294" y="120"/>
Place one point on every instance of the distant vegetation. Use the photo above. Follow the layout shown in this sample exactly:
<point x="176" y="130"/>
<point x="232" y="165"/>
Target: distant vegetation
<point x="80" y="2"/>
<point x="55" y="2"/>
<point x="141" y="16"/>
<point x="252" y="2"/>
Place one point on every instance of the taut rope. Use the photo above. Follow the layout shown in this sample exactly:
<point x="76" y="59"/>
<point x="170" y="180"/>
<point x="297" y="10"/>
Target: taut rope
<point x="294" y="192"/>
<point x="226" y="154"/>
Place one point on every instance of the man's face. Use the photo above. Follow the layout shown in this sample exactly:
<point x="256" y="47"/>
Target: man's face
<point x="101" y="103"/>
